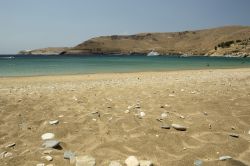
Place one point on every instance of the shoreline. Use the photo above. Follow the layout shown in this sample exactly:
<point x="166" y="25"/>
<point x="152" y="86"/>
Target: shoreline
<point x="115" y="73"/>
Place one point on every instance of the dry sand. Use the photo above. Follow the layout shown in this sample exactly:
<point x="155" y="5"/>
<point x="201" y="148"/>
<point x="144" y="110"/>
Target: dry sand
<point x="28" y="103"/>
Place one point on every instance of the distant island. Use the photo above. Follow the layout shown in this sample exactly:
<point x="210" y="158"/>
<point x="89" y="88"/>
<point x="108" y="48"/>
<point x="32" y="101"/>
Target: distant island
<point x="223" y="41"/>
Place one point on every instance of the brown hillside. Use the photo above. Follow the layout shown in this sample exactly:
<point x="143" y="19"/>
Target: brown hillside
<point x="200" y="42"/>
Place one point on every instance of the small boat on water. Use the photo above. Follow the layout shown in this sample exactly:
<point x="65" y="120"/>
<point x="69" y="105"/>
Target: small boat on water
<point x="153" y="53"/>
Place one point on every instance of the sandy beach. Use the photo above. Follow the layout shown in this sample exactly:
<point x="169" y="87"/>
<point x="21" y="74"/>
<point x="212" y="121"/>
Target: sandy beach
<point x="113" y="116"/>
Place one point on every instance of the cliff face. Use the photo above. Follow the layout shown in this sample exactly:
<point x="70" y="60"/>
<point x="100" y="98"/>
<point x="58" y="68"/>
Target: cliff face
<point x="201" y="42"/>
<point x="44" y="51"/>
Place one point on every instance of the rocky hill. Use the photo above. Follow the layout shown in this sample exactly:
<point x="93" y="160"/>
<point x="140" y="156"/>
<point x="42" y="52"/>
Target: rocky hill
<point x="222" y="41"/>
<point x="44" y="51"/>
<point x="200" y="42"/>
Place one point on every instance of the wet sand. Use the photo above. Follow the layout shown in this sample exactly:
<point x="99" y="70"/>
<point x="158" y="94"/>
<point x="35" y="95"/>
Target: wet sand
<point x="210" y="103"/>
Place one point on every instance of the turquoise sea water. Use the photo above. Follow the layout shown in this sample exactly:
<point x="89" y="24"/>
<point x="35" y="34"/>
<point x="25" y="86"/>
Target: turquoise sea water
<point x="16" y="65"/>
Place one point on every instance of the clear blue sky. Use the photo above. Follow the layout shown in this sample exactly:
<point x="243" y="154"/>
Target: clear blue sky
<point x="29" y="24"/>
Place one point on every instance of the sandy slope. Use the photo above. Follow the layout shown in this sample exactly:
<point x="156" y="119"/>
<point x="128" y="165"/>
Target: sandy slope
<point x="27" y="104"/>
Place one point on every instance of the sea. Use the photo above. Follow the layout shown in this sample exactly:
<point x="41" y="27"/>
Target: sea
<point x="40" y="65"/>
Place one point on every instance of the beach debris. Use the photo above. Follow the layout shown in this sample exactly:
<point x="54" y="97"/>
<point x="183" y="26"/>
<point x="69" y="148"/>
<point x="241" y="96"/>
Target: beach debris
<point x="68" y="155"/>
<point x="164" y="115"/>
<point x="40" y="164"/>
<point x="234" y="135"/>
<point x="205" y="113"/>
<point x="51" y="143"/>
<point x="146" y="163"/>
<point x="165" y="127"/>
<point x="10" y="145"/>
<point x="210" y="126"/>
<point x="132" y="161"/>
<point x="48" y="158"/>
<point x="126" y="111"/>
<point x="198" y="163"/>
<point x="179" y="127"/>
<point x="193" y="92"/>
<point x="157" y="135"/>
<point x="54" y="122"/>
<point x="114" y="163"/>
<point x="94" y="119"/>
<point x="85" y="160"/>
<point x="47" y="136"/>
<point x="223" y="158"/>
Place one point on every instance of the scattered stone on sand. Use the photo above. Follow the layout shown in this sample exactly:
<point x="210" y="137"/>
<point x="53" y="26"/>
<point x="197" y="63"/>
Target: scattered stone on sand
<point x="51" y="143"/>
<point x="232" y="128"/>
<point x="85" y="161"/>
<point x="40" y="164"/>
<point x="222" y="158"/>
<point x="5" y="154"/>
<point x="159" y="119"/>
<point x="132" y="161"/>
<point x="198" y="163"/>
<point x="164" y="115"/>
<point x="61" y="116"/>
<point x="167" y="105"/>
<point x="129" y="107"/>
<point x="234" y="135"/>
<point x="48" y="136"/>
<point x="205" y="113"/>
<point x="2" y="154"/>
<point x="8" y="154"/>
<point x="171" y="95"/>
<point x="142" y="114"/>
<point x="210" y="126"/>
<point x="94" y="119"/>
<point x="179" y="127"/>
<point x="47" y="151"/>
<point x="68" y="155"/>
<point x="165" y="127"/>
<point x="10" y="145"/>
<point x="54" y="122"/>
<point x="48" y="158"/>
<point x="146" y="163"/>
<point x="126" y="111"/>
<point x="137" y="106"/>
<point x="182" y="117"/>
<point x="162" y="106"/>
<point x="114" y="163"/>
